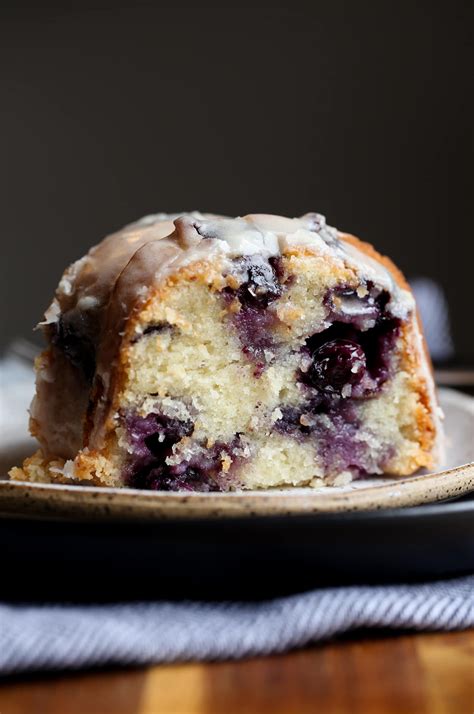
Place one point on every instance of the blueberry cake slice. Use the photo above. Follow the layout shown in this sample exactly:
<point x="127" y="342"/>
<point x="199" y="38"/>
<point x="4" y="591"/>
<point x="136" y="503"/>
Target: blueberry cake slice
<point x="203" y="353"/>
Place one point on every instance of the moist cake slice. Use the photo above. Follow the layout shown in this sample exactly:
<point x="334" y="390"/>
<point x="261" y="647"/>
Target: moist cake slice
<point x="206" y="353"/>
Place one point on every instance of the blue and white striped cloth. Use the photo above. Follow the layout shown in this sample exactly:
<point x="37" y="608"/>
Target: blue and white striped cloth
<point x="70" y="637"/>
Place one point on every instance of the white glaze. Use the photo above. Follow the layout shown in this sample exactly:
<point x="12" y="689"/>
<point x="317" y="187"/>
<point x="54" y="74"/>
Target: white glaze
<point x="185" y="238"/>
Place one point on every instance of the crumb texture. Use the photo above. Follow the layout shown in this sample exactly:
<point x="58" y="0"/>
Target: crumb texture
<point x="296" y="367"/>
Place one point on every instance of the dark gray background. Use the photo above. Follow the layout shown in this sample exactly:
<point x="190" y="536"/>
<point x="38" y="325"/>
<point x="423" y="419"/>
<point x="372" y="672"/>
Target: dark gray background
<point x="359" y="110"/>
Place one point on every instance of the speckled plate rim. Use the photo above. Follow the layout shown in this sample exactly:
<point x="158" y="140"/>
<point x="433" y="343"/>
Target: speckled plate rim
<point x="63" y="501"/>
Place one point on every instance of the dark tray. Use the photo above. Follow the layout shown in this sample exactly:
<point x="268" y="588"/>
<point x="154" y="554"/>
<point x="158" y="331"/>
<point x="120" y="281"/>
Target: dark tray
<point x="234" y="559"/>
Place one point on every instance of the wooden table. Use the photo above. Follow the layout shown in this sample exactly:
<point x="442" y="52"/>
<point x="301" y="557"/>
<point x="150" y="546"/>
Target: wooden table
<point x="407" y="674"/>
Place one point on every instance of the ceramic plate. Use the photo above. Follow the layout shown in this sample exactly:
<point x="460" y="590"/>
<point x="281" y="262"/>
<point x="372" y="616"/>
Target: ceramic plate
<point x="456" y="479"/>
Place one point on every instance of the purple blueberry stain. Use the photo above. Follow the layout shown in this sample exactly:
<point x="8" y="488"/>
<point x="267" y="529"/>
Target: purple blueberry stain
<point x="156" y="328"/>
<point x="260" y="285"/>
<point x="151" y="439"/>
<point x="155" y="434"/>
<point x="255" y="327"/>
<point x="333" y="425"/>
<point x="339" y="448"/>
<point x="260" y="282"/>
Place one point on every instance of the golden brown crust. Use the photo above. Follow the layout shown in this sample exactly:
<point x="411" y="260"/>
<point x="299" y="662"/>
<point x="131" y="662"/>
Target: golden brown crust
<point x="426" y="429"/>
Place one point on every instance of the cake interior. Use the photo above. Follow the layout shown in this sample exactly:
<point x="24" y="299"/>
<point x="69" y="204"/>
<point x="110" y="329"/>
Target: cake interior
<point x="277" y="372"/>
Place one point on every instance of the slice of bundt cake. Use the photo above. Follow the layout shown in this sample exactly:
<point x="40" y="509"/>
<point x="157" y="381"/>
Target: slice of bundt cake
<point x="206" y="353"/>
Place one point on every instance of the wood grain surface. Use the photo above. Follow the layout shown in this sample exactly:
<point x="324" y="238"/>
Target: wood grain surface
<point x="408" y="674"/>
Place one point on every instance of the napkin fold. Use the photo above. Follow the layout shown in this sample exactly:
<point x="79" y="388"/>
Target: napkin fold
<point x="34" y="637"/>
